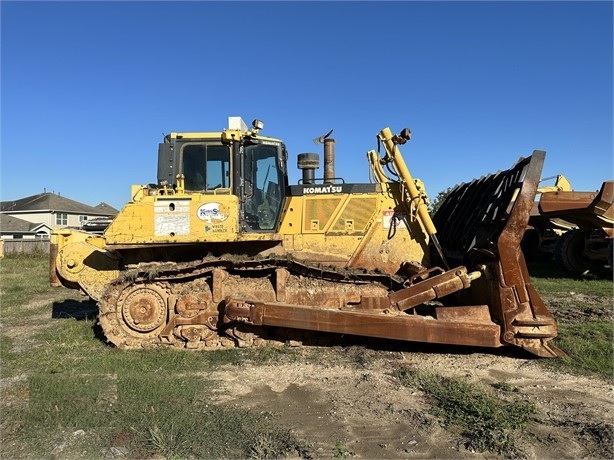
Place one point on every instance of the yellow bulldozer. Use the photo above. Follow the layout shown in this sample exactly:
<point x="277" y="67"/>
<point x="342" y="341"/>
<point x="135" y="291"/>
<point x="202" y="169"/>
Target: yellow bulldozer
<point x="574" y="228"/>
<point x="224" y="251"/>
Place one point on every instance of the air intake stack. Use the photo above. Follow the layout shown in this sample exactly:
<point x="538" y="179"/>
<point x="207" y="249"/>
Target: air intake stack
<point x="308" y="163"/>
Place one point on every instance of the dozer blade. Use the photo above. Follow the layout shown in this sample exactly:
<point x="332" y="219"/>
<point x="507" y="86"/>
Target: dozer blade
<point x="480" y="225"/>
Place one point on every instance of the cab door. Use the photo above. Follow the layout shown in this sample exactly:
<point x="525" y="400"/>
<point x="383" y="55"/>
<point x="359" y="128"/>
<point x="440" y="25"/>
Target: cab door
<point x="264" y="187"/>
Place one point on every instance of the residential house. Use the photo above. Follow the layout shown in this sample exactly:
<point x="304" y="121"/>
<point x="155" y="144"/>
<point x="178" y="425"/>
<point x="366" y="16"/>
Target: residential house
<point x="13" y="227"/>
<point x="47" y="211"/>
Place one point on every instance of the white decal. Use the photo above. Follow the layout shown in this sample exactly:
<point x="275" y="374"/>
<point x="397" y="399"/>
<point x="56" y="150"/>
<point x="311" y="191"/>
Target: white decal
<point x="322" y="189"/>
<point x="171" y="218"/>
<point x="211" y="213"/>
<point x="392" y="219"/>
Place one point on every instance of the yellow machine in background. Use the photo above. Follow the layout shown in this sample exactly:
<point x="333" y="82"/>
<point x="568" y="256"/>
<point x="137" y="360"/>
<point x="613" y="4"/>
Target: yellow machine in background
<point x="223" y="251"/>
<point x="575" y="228"/>
<point x="542" y="233"/>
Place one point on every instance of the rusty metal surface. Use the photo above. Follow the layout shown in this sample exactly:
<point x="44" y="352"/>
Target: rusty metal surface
<point x="54" y="281"/>
<point x="587" y="210"/>
<point x="432" y="288"/>
<point x="400" y="327"/>
<point x="329" y="161"/>
<point x="477" y="314"/>
<point x="481" y="223"/>
<point x="508" y="243"/>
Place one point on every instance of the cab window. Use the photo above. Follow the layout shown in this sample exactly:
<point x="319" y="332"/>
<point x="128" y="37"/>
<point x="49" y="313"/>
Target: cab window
<point x="206" y="166"/>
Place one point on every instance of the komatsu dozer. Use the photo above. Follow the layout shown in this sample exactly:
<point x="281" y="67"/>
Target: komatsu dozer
<point x="223" y="251"/>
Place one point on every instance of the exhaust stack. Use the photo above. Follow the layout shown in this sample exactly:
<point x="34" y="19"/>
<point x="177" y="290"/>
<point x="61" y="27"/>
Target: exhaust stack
<point x="329" y="161"/>
<point x="329" y="156"/>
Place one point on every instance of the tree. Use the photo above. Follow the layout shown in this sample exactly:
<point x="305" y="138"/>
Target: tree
<point x="440" y="198"/>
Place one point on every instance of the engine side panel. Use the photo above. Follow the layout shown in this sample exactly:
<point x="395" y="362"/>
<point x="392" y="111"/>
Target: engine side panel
<point x="368" y="228"/>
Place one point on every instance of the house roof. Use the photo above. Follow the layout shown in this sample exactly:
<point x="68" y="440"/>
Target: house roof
<point x="11" y="224"/>
<point x="52" y="202"/>
<point x="110" y="210"/>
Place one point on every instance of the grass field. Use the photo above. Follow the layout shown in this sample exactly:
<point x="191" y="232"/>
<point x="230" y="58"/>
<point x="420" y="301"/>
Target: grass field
<point x="584" y="308"/>
<point x="67" y="394"/>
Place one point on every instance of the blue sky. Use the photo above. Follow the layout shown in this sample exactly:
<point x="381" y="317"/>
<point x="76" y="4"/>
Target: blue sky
<point x="89" y="88"/>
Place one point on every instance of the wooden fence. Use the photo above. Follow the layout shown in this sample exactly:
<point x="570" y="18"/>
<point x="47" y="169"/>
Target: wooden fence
<point x="24" y="246"/>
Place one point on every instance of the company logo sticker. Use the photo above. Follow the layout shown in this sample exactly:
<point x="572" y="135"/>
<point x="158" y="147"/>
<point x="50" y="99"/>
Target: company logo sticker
<point x="212" y="213"/>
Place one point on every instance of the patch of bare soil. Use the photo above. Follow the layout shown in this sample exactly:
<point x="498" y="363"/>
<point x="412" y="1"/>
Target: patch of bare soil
<point x="357" y="408"/>
<point x="594" y="308"/>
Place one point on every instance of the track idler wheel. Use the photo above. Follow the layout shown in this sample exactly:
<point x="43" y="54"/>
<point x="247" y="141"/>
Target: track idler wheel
<point x="133" y="317"/>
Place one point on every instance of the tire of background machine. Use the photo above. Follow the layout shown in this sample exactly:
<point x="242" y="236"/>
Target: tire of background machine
<point x="569" y="252"/>
<point x="611" y="255"/>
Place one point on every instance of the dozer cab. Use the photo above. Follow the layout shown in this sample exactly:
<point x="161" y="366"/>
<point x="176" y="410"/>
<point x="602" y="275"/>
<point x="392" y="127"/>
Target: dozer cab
<point x="223" y="251"/>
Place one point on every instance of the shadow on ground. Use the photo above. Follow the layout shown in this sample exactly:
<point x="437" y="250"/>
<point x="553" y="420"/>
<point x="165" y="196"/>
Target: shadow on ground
<point x="74" y="309"/>
<point x="543" y="268"/>
<point x="80" y="310"/>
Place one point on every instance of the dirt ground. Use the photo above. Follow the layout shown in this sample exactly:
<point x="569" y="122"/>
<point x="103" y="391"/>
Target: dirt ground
<point x="365" y="410"/>
<point x="352" y="406"/>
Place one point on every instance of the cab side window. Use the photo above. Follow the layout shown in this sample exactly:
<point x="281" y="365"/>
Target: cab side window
<point x="206" y="167"/>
